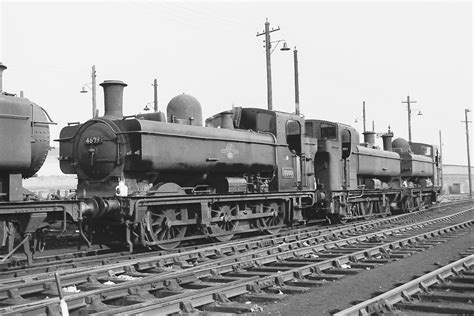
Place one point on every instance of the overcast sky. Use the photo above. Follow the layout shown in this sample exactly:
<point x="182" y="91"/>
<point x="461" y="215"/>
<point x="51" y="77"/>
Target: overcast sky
<point x="348" y="52"/>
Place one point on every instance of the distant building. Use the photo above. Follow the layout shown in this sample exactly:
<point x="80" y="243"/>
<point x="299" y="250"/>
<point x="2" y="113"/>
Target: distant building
<point x="50" y="177"/>
<point x="455" y="179"/>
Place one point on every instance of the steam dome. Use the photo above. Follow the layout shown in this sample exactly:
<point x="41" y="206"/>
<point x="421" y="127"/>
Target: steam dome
<point x="401" y="144"/>
<point x="184" y="109"/>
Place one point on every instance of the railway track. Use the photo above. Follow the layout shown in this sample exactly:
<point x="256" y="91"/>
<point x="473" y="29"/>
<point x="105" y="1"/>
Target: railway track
<point x="83" y="259"/>
<point x="447" y="290"/>
<point x="77" y="261"/>
<point x="253" y="275"/>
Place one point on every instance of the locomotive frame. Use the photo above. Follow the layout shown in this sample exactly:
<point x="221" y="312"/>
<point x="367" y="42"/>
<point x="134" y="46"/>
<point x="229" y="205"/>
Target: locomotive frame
<point x="164" y="221"/>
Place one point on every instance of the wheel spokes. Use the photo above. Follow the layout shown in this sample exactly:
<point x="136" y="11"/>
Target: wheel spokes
<point x="160" y="227"/>
<point x="224" y="228"/>
<point x="272" y="223"/>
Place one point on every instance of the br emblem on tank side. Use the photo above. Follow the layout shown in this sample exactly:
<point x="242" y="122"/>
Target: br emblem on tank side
<point x="230" y="151"/>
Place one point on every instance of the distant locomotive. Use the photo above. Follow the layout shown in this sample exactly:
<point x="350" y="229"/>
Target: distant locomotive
<point x="358" y="180"/>
<point x="158" y="183"/>
<point x="24" y="141"/>
<point x="24" y="132"/>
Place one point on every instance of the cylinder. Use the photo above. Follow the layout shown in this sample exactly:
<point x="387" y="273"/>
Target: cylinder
<point x="387" y="141"/>
<point x="369" y="138"/>
<point x="2" y="68"/>
<point x="113" y="98"/>
<point x="227" y="121"/>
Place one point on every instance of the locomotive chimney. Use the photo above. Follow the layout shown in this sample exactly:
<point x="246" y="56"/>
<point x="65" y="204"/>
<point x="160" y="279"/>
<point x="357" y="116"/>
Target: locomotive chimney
<point x="2" y="68"/>
<point x="387" y="140"/>
<point x="113" y="98"/>
<point x="369" y="138"/>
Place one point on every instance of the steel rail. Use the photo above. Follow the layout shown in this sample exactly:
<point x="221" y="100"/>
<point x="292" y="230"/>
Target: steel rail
<point x="83" y="261"/>
<point x="77" y="261"/>
<point x="240" y="246"/>
<point x="409" y="289"/>
<point x="160" y="281"/>
<point x="312" y="241"/>
<point x="172" y="304"/>
<point x="143" y="261"/>
<point x="44" y="264"/>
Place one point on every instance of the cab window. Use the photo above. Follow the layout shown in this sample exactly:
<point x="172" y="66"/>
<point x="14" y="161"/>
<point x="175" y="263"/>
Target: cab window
<point x="257" y="121"/>
<point x="293" y="136"/>
<point x="328" y="131"/>
<point x="346" y="144"/>
<point x="426" y="150"/>
<point x="265" y="122"/>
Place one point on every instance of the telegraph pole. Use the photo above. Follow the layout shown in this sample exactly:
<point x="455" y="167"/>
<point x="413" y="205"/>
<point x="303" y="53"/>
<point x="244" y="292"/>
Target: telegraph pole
<point x="297" y="86"/>
<point x="155" y="99"/>
<point x="94" y="104"/>
<point x="268" y="46"/>
<point x="408" y="101"/>
<point x="468" y="153"/>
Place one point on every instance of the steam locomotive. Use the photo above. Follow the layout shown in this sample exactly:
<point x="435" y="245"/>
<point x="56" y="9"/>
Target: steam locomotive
<point x="156" y="180"/>
<point x="165" y="182"/>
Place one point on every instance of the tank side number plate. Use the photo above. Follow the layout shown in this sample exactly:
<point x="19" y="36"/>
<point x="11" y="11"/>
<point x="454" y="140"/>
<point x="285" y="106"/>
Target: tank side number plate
<point x="287" y="173"/>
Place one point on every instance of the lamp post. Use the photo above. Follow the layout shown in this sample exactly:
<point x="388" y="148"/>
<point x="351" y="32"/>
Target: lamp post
<point x="92" y="86"/>
<point x="468" y="152"/>
<point x="155" y="95"/>
<point x="268" y="52"/>
<point x="440" y="162"/>
<point x="409" y="102"/>
<point x="297" y="86"/>
<point x="363" y="117"/>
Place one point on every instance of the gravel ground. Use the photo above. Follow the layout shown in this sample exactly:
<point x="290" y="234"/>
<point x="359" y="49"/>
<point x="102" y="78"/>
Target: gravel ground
<point x="344" y="293"/>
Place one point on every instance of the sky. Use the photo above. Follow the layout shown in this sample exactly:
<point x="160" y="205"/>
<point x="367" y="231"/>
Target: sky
<point x="348" y="52"/>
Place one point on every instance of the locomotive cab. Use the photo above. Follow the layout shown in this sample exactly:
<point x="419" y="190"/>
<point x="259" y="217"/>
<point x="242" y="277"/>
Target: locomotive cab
<point x="418" y="163"/>
<point x="334" y="165"/>
<point x="294" y="152"/>
<point x="351" y="174"/>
